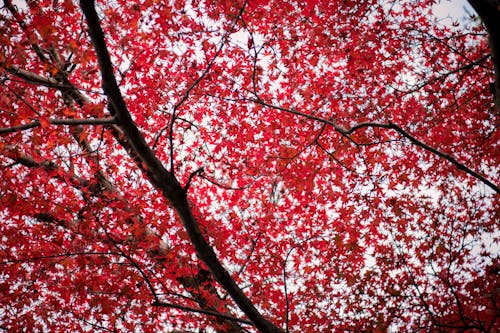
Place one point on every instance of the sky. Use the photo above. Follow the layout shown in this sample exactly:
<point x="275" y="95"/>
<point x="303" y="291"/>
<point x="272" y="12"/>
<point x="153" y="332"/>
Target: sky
<point x="453" y="10"/>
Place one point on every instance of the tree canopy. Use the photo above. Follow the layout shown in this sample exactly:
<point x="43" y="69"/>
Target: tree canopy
<point x="248" y="166"/>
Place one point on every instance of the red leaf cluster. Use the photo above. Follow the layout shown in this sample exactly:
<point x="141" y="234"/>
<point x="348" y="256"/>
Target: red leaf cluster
<point x="244" y="166"/>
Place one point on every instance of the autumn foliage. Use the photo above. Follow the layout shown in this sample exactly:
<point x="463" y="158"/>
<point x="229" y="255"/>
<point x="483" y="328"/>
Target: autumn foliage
<point x="244" y="166"/>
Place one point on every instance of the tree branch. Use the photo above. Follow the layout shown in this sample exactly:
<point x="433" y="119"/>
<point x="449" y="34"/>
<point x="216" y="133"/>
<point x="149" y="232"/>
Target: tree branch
<point x="48" y="166"/>
<point x="348" y="131"/>
<point x="447" y="157"/>
<point x="160" y="177"/>
<point x="54" y="256"/>
<point x="198" y="310"/>
<point x="12" y="9"/>
<point x="33" y="77"/>
<point x="54" y="121"/>
<point x="186" y="96"/>
<point x="191" y="176"/>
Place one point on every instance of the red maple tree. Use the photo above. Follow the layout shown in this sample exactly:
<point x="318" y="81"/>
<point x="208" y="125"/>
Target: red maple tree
<point x="244" y="166"/>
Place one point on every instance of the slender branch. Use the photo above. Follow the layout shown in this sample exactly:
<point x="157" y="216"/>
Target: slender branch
<point x="347" y="131"/>
<point x="285" y="290"/>
<point x="447" y="157"/>
<point x="33" y="77"/>
<point x="445" y="43"/>
<point x="186" y="96"/>
<point x="338" y="128"/>
<point x="54" y="256"/>
<point x="227" y="187"/>
<point x="49" y="166"/>
<point x="21" y="98"/>
<point x="198" y="310"/>
<point x="145" y="277"/>
<point x="443" y="76"/>
<point x="205" y="71"/>
<point x="54" y="121"/>
<point x="287" y="256"/>
<point x="88" y="322"/>
<point x="413" y="281"/>
<point x="191" y="176"/>
<point x="38" y="50"/>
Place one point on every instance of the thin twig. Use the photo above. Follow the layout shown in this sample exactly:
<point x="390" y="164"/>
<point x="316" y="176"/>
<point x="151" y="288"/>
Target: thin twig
<point x="198" y="310"/>
<point x="191" y="176"/>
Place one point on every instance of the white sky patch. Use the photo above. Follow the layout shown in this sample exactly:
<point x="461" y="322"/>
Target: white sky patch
<point x="450" y="11"/>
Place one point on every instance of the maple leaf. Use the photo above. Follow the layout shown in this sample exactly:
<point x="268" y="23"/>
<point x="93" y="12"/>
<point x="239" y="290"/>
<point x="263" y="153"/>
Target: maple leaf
<point x="248" y="166"/>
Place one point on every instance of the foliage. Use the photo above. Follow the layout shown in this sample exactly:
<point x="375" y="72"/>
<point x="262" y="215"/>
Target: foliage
<point x="250" y="166"/>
